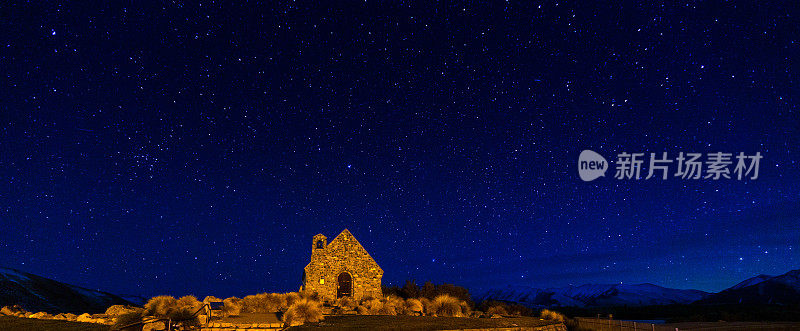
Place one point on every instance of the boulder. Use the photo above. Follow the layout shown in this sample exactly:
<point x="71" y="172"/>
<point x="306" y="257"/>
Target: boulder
<point x="85" y="318"/>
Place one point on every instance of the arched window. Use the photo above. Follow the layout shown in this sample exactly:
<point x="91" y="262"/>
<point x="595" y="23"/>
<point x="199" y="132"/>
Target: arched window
<point x="319" y="244"/>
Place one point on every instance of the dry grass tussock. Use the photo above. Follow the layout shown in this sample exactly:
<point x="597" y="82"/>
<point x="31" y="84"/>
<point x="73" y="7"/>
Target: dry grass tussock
<point x="303" y="311"/>
<point x="552" y="315"/>
<point x="445" y="305"/>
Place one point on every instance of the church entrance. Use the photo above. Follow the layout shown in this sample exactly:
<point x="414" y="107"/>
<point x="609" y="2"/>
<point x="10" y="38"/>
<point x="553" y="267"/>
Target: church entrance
<point x="345" y="285"/>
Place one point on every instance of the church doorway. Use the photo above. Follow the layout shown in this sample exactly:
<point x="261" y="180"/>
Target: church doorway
<point x="345" y="285"/>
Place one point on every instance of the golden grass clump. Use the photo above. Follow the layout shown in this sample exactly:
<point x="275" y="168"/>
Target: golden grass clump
<point x="346" y="303"/>
<point x="290" y="298"/>
<point x="262" y="303"/>
<point x="310" y="295"/>
<point x="185" y="317"/>
<point x="117" y="310"/>
<point x="160" y="306"/>
<point x="394" y="305"/>
<point x="445" y="305"/>
<point x="413" y="307"/>
<point x="370" y="307"/>
<point x="232" y="306"/>
<point x="303" y="311"/>
<point x="189" y="302"/>
<point x="426" y="306"/>
<point x="496" y="310"/>
<point x="552" y="315"/>
<point x="129" y="318"/>
<point x="211" y="298"/>
<point x="466" y="310"/>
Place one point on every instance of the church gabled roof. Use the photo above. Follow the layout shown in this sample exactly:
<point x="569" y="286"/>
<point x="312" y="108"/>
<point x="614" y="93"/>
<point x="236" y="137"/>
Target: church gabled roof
<point x="346" y="236"/>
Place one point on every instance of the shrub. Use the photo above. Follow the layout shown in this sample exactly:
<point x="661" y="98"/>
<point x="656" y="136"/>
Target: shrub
<point x="250" y="303"/>
<point x="394" y="305"/>
<point x="387" y="308"/>
<point x="426" y="306"/>
<point x="492" y="307"/>
<point x="185" y="316"/>
<point x="445" y="305"/>
<point x="303" y="311"/>
<point x="379" y="306"/>
<point x="311" y="295"/>
<point x="211" y="298"/>
<point x="496" y="310"/>
<point x="455" y="291"/>
<point x="370" y="307"/>
<point x="232" y="306"/>
<point x="346" y="303"/>
<point x="128" y="319"/>
<point x="290" y="298"/>
<point x="160" y="306"/>
<point x="552" y="315"/>
<point x="413" y="307"/>
<point x="262" y="303"/>
<point x="466" y="310"/>
<point x="117" y="310"/>
<point x="189" y="302"/>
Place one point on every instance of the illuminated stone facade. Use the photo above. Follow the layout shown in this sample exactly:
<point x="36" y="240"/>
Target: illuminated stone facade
<point x="341" y="268"/>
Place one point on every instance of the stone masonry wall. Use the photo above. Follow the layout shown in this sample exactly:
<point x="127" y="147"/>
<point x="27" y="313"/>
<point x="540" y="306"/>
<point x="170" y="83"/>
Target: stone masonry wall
<point x="343" y="254"/>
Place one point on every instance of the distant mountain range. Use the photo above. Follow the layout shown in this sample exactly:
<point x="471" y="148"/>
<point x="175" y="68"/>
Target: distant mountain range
<point x="762" y="289"/>
<point x="595" y="295"/>
<point x="35" y="293"/>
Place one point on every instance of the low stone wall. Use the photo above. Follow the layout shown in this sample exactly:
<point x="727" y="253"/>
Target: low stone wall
<point x="278" y="326"/>
<point x="220" y="326"/>
<point x="551" y="327"/>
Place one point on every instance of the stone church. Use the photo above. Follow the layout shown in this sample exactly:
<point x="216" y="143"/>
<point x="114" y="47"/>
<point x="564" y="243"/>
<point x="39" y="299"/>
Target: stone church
<point x="341" y="268"/>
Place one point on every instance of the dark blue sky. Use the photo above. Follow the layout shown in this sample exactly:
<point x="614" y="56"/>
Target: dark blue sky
<point x="198" y="148"/>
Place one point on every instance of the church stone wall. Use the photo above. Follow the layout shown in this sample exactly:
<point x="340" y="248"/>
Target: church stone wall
<point x="343" y="254"/>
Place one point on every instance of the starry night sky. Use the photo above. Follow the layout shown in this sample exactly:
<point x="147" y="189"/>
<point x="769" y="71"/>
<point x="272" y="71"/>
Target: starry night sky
<point x="197" y="148"/>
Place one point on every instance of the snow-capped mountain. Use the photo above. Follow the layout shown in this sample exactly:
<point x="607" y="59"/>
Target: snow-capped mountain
<point x="762" y="289"/>
<point x="35" y="293"/>
<point x="593" y="295"/>
<point x="751" y="281"/>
